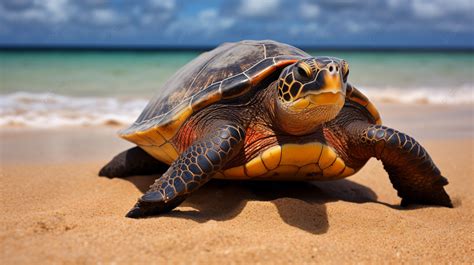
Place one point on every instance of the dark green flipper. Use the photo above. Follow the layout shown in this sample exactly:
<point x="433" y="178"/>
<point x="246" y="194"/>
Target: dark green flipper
<point x="192" y="169"/>
<point x="132" y="162"/>
<point x="410" y="168"/>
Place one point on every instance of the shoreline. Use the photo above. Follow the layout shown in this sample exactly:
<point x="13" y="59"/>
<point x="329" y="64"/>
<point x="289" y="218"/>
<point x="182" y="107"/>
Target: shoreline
<point x="450" y="120"/>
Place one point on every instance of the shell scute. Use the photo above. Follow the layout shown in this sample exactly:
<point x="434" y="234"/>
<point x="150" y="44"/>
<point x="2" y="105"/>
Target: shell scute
<point x="235" y="86"/>
<point x="206" y="97"/>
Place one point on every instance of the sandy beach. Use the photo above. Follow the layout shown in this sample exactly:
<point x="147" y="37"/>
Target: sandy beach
<point x="56" y="210"/>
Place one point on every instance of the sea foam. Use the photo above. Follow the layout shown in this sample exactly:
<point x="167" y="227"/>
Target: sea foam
<point x="47" y="110"/>
<point x="463" y="94"/>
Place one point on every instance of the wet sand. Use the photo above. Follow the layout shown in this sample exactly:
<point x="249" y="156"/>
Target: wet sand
<point x="55" y="209"/>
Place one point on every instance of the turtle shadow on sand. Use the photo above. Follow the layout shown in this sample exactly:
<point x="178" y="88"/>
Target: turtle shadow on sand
<point x="299" y="204"/>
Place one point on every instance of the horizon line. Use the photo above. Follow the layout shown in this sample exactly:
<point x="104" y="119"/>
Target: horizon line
<point x="172" y="48"/>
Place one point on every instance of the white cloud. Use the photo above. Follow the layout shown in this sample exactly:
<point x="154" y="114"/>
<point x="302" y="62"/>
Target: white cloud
<point x="45" y="11"/>
<point x="105" y="17"/>
<point x="95" y="2"/>
<point x="258" y="7"/>
<point x="212" y="19"/>
<point x="427" y="9"/>
<point x="207" y="14"/>
<point x="57" y="9"/>
<point x="452" y="26"/>
<point x="146" y="19"/>
<point x="312" y="29"/>
<point x="153" y="19"/>
<point x="159" y="14"/>
<point x="358" y="26"/>
<point x="441" y="8"/>
<point x="354" y="27"/>
<point x="208" y="22"/>
<point x="164" y="4"/>
<point x="395" y="3"/>
<point x="309" y="10"/>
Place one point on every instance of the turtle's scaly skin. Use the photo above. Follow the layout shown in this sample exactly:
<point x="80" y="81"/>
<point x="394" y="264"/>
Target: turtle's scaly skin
<point x="194" y="168"/>
<point x="356" y="96"/>
<point x="388" y="144"/>
<point x="236" y="113"/>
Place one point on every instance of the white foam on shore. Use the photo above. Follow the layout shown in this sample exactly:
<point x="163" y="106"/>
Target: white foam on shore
<point x="46" y="110"/>
<point x="454" y="95"/>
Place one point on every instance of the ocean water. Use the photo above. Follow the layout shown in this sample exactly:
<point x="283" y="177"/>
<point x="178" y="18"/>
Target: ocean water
<point x="61" y="88"/>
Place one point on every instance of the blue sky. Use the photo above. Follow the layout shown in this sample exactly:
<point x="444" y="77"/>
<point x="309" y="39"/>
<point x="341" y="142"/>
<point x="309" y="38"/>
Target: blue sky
<point x="343" y="23"/>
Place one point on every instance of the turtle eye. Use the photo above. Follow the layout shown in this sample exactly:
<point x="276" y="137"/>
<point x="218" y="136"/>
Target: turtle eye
<point x="303" y="70"/>
<point x="345" y="71"/>
<point x="345" y="75"/>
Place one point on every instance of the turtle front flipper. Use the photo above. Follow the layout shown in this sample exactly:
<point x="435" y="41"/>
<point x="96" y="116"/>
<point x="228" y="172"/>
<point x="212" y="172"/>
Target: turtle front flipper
<point x="190" y="170"/>
<point x="132" y="162"/>
<point x="411" y="170"/>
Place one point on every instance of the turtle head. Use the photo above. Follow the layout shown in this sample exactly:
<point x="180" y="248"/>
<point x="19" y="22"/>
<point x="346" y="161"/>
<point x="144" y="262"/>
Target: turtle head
<point x="310" y="92"/>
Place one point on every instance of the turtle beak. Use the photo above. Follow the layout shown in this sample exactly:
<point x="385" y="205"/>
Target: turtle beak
<point x="328" y="89"/>
<point x="329" y="80"/>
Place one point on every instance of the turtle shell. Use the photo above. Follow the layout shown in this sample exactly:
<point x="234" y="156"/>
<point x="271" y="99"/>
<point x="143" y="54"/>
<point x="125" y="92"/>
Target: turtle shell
<point x="229" y="71"/>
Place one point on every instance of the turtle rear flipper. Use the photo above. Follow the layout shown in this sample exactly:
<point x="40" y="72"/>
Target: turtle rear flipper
<point x="132" y="162"/>
<point x="411" y="170"/>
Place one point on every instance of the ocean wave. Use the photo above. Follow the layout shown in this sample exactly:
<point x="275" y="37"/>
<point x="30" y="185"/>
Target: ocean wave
<point x="47" y="110"/>
<point x="427" y="95"/>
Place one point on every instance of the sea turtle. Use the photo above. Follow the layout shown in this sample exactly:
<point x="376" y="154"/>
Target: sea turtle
<point x="265" y="110"/>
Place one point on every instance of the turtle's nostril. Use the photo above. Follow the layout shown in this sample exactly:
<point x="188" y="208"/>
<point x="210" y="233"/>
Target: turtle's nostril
<point x="333" y="69"/>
